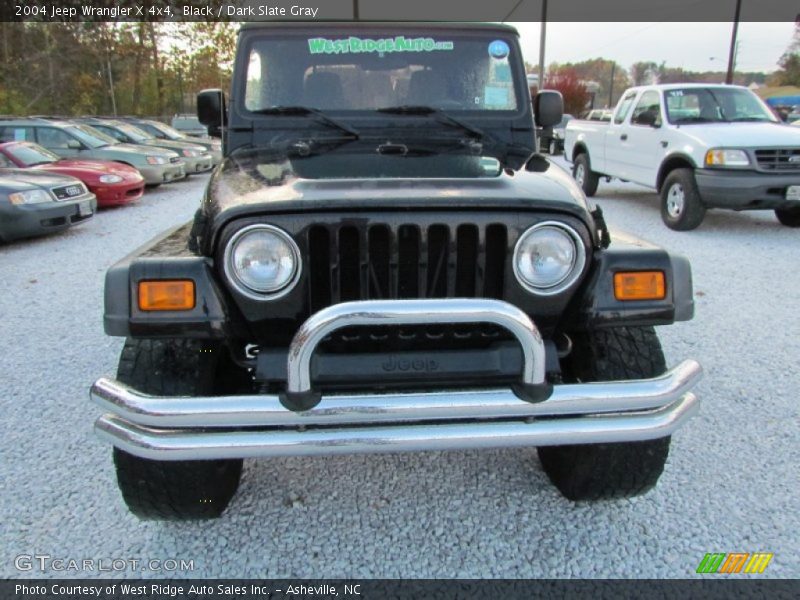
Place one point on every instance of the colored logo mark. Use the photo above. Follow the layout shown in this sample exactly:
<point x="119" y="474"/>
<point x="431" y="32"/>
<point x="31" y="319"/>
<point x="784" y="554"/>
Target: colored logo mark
<point x="735" y="562"/>
<point x="498" y="49"/>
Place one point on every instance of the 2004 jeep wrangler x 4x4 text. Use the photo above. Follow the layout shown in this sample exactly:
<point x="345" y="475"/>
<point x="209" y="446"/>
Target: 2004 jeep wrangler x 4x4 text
<point x="381" y="264"/>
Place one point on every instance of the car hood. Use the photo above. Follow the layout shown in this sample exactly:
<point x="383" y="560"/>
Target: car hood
<point x="175" y="145"/>
<point x="141" y="150"/>
<point x="743" y="135"/>
<point x="264" y="183"/>
<point x="98" y="167"/>
<point x="24" y="179"/>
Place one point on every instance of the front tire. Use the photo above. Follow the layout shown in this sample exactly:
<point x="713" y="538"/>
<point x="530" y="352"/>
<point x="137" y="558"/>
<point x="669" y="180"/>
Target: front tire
<point x="790" y="217"/>
<point x="681" y="206"/>
<point x="614" y="470"/>
<point x="175" y="490"/>
<point x="587" y="179"/>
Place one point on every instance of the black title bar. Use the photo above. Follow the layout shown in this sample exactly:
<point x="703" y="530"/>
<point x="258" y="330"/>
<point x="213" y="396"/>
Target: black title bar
<point x="394" y="10"/>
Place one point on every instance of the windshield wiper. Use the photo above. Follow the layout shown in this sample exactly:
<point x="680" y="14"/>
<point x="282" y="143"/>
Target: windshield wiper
<point x="290" y="111"/>
<point x="750" y="119"/>
<point x="443" y="117"/>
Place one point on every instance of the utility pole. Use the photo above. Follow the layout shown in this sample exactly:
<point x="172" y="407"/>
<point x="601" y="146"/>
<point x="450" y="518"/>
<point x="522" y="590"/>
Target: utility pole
<point x="542" y="37"/>
<point x="111" y="85"/>
<point x="732" y="52"/>
<point x="355" y="11"/>
<point x="611" y="85"/>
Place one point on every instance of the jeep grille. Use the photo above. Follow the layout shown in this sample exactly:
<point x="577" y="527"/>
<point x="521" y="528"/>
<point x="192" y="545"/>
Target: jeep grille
<point x="383" y="261"/>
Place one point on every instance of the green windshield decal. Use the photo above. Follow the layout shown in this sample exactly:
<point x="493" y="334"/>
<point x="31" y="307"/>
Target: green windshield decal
<point x="396" y="44"/>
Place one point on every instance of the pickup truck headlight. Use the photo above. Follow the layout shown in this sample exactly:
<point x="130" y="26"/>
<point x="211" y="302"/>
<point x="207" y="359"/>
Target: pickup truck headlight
<point x="157" y="160"/>
<point x="29" y="197"/>
<point x="262" y="262"/>
<point x="548" y="258"/>
<point x="727" y="157"/>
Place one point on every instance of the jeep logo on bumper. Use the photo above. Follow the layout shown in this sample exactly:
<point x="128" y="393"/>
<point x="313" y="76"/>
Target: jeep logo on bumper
<point x="420" y="365"/>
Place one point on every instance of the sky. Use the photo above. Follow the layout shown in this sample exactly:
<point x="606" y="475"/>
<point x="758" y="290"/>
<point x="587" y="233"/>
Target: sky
<point x="693" y="46"/>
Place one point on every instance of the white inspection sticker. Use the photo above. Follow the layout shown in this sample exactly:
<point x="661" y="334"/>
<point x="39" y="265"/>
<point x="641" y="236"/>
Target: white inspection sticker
<point x="495" y="96"/>
<point x="793" y="192"/>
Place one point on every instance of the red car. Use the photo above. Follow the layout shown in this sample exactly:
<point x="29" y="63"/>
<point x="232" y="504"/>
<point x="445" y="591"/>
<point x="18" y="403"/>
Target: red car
<point x="113" y="183"/>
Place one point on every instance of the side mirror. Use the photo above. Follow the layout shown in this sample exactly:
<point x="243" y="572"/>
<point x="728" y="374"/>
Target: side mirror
<point x="74" y="145"/>
<point x="211" y="109"/>
<point x="548" y="108"/>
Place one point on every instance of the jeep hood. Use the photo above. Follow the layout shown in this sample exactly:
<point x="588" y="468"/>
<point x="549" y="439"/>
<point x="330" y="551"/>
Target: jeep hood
<point x="261" y="183"/>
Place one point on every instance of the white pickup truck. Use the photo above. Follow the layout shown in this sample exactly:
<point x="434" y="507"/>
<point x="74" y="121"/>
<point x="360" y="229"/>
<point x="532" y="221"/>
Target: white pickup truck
<point x="700" y="146"/>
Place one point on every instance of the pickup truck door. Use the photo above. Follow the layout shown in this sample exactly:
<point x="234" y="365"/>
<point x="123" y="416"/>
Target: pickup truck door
<point x="647" y="138"/>
<point x="616" y="143"/>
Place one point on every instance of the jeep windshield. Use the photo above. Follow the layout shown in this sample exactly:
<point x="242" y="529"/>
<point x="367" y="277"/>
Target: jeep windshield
<point x="714" y="105"/>
<point x="370" y="71"/>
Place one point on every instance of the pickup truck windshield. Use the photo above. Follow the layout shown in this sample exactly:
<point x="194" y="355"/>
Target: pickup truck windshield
<point x="375" y="71"/>
<point x="717" y="104"/>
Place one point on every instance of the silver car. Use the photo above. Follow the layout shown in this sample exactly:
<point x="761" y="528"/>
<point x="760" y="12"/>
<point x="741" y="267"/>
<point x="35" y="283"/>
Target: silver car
<point x="72" y="140"/>
<point x="196" y="157"/>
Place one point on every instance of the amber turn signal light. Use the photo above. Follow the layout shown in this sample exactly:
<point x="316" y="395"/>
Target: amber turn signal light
<point x="640" y="285"/>
<point x="166" y="295"/>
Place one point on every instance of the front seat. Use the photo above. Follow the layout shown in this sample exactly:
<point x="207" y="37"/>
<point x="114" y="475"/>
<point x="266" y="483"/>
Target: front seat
<point x="323" y="90"/>
<point x="426" y="88"/>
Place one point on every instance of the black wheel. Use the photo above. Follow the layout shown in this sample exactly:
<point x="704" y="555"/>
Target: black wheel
<point x="616" y="470"/>
<point x="175" y="490"/>
<point x="788" y="216"/>
<point x="583" y="174"/>
<point x="681" y="206"/>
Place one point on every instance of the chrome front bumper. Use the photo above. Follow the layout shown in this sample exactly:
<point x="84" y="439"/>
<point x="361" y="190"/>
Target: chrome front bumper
<point x="532" y="414"/>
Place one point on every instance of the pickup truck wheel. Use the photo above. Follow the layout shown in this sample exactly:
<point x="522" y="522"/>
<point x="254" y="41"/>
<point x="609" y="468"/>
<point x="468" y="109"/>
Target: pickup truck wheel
<point x="681" y="206"/>
<point x="788" y="216"/>
<point x="583" y="174"/>
<point x="174" y="490"/>
<point x="615" y="470"/>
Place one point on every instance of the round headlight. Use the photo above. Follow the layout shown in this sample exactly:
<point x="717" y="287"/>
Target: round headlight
<point x="548" y="258"/>
<point x="262" y="261"/>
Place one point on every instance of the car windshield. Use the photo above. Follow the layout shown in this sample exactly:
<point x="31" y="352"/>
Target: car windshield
<point x="378" y="70"/>
<point x="168" y="131"/>
<point x="134" y="133"/>
<point x="91" y="137"/>
<point x="31" y="154"/>
<point x="714" y="104"/>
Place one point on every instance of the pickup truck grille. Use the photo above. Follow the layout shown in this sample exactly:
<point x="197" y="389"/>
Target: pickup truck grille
<point x="389" y="261"/>
<point x="779" y="159"/>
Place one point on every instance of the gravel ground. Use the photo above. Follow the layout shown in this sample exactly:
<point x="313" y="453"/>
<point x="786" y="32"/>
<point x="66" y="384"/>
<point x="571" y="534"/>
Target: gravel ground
<point x="731" y="483"/>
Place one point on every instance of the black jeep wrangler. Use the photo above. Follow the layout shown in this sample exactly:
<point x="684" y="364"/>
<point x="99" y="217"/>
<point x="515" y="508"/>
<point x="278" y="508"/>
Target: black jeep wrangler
<point x="383" y="263"/>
